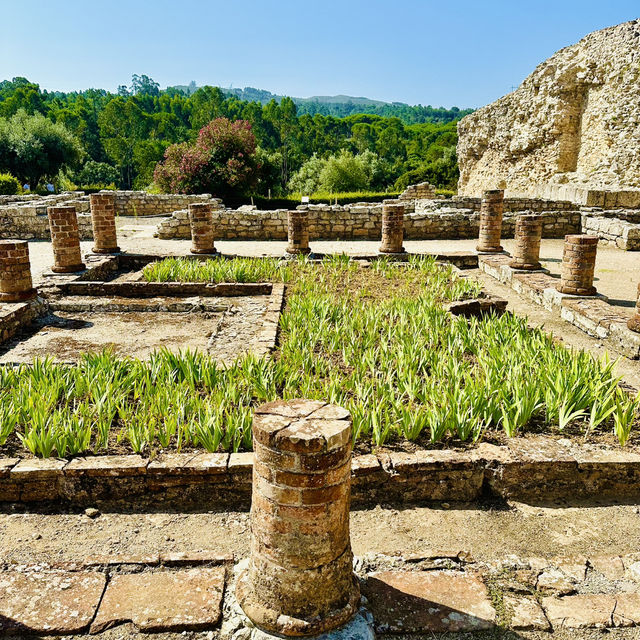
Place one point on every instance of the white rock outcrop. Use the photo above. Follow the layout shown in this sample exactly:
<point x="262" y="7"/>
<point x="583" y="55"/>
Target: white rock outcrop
<point x="573" y="125"/>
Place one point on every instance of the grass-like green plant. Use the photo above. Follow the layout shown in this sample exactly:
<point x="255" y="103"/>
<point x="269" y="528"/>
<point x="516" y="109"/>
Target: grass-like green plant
<point x="375" y="340"/>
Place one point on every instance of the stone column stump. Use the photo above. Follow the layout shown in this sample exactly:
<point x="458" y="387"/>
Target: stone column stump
<point x="528" y="235"/>
<point x="65" y="239"/>
<point x="15" y="271"/>
<point x="201" y="219"/>
<point x="300" y="580"/>
<point x="392" y="227"/>
<point x="298" y="232"/>
<point x="491" y="221"/>
<point x="578" y="265"/>
<point x="103" y="219"/>
<point x="634" y="322"/>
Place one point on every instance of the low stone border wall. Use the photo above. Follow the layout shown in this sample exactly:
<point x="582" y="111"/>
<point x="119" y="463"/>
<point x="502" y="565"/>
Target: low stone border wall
<point x="614" y="231"/>
<point x="535" y="469"/>
<point x="362" y="221"/>
<point x="593" y="315"/>
<point x="16" y="315"/>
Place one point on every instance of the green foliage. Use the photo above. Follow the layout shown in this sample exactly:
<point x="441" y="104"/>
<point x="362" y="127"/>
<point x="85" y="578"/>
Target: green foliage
<point x="9" y="185"/>
<point x="376" y="341"/>
<point x="33" y="147"/>
<point x="97" y="173"/>
<point x="133" y="129"/>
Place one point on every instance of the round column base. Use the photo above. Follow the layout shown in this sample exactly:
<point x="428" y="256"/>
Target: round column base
<point x="526" y="266"/>
<point x="105" y="252"/>
<point x="574" y="291"/>
<point x="480" y="249"/>
<point x="205" y="252"/>
<point x="74" y="268"/>
<point x="392" y="252"/>
<point x="634" y="323"/>
<point x="274" y="622"/>
<point x="19" y="296"/>
<point x="292" y="251"/>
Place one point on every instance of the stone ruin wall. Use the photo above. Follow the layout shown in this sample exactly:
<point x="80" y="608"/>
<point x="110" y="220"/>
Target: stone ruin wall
<point x="571" y="131"/>
<point x="424" y="220"/>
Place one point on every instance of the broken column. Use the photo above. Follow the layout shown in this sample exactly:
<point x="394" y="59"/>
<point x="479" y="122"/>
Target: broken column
<point x="491" y="221"/>
<point x="634" y="322"/>
<point x="103" y="219"/>
<point x="201" y="219"/>
<point x="15" y="271"/>
<point x="526" y="253"/>
<point x="298" y="232"/>
<point x="65" y="239"/>
<point x="300" y="579"/>
<point x="392" y="227"/>
<point x="578" y="265"/>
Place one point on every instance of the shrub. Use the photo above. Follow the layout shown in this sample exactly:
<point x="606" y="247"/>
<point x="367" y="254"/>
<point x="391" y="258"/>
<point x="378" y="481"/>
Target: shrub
<point x="97" y="173"/>
<point x="9" y="186"/>
<point x="221" y="162"/>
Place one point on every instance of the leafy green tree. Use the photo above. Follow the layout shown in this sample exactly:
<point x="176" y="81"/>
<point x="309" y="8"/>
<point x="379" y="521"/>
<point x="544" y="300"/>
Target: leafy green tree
<point x="97" y="173"/>
<point x="306" y="180"/>
<point x="344" y="172"/>
<point x="33" y="147"/>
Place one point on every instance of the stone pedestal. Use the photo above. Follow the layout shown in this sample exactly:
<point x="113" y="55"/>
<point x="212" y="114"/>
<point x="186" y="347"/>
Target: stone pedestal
<point x="634" y="321"/>
<point x="201" y="220"/>
<point x="491" y="221"/>
<point x="15" y="271"/>
<point x="300" y="579"/>
<point x="392" y="227"/>
<point x="298" y="232"/>
<point x="578" y="265"/>
<point x="526" y="254"/>
<point x="65" y="239"/>
<point x="103" y="220"/>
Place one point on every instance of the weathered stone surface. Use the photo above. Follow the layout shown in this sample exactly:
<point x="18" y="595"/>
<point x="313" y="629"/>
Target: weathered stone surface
<point x="102" y="466"/>
<point x="49" y="602"/>
<point x="163" y="600"/>
<point x="428" y="601"/>
<point x="569" y="131"/>
<point x="627" y="611"/>
<point x="554" y="580"/>
<point x="611" y="567"/>
<point x="525" y="614"/>
<point x="580" y="611"/>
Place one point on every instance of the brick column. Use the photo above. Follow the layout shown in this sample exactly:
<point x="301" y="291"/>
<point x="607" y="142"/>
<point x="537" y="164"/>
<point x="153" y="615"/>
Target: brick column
<point x="526" y="254"/>
<point x="392" y="227"/>
<point x="578" y="264"/>
<point x="298" y="232"/>
<point x="491" y="221"/>
<point x="300" y="579"/>
<point x="634" y="322"/>
<point x="65" y="239"/>
<point x="103" y="219"/>
<point x="201" y="228"/>
<point x="15" y="271"/>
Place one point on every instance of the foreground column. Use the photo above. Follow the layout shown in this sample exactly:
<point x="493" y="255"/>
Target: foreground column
<point x="300" y="579"/>
<point x="298" y="232"/>
<point x="634" y="322"/>
<point x="491" y="221"/>
<point x="526" y="254"/>
<point x="392" y="227"/>
<point x="578" y="265"/>
<point x="65" y="239"/>
<point x="201" y="219"/>
<point x="15" y="271"/>
<point x="103" y="219"/>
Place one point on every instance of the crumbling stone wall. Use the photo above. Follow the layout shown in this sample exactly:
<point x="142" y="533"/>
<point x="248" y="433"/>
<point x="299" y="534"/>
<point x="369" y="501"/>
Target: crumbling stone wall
<point x="571" y="130"/>
<point x="141" y="203"/>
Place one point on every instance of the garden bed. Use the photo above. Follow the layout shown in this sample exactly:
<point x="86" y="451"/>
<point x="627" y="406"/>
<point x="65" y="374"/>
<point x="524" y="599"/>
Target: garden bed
<point x="373" y="337"/>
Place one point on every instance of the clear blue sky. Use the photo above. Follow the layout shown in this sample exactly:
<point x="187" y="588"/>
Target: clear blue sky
<point x="462" y="52"/>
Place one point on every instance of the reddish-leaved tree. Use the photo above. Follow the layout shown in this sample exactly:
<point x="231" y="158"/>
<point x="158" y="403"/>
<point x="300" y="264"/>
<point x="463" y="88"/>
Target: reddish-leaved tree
<point x="222" y="161"/>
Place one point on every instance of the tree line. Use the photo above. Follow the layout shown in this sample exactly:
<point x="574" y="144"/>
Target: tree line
<point x="98" y="137"/>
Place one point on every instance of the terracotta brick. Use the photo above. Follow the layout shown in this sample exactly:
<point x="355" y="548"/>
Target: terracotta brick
<point x="392" y="227"/>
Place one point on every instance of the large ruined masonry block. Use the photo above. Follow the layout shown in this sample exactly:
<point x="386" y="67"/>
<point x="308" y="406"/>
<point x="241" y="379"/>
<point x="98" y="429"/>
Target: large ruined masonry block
<point x="103" y="220"/>
<point x="15" y="271"/>
<point x="300" y="579"/>
<point x="392" y="227"/>
<point x="65" y="239"/>
<point x="569" y="132"/>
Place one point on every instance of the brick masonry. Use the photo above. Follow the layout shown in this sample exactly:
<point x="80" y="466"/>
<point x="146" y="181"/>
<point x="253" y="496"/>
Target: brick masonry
<point x="392" y="227"/>
<point x="578" y="265"/>
<point x="202" y="232"/>
<point x="103" y="220"/>
<point x="65" y="239"/>
<point x="15" y="271"/>
<point x="491" y="221"/>
<point x="526" y="254"/>
<point x="298" y="232"/>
